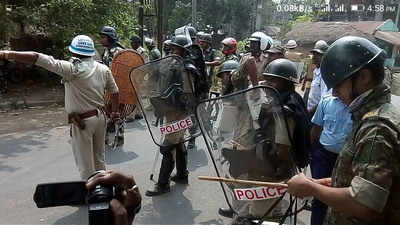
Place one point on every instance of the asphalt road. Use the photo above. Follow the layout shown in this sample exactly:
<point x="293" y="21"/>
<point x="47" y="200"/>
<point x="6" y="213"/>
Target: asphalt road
<point x="44" y="155"/>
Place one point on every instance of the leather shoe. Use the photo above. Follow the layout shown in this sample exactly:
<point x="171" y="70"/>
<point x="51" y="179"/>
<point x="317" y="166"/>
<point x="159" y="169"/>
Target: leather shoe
<point x="180" y="179"/>
<point x="225" y="212"/>
<point x="158" y="190"/>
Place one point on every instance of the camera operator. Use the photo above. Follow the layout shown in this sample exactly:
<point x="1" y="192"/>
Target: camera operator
<point x="127" y="200"/>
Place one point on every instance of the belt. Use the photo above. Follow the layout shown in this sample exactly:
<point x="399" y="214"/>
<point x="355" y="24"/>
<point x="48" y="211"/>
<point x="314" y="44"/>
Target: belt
<point x="77" y="119"/>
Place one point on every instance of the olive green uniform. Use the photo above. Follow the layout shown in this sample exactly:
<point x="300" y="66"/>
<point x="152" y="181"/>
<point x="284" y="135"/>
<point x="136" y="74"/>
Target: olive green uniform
<point x="369" y="163"/>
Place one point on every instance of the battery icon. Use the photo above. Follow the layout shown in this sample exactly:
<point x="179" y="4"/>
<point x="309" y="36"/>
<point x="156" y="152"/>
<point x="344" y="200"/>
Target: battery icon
<point x="358" y="7"/>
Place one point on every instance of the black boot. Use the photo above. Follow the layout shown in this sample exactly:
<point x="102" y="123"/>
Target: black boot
<point x="181" y="165"/>
<point x="225" y="212"/>
<point x="158" y="189"/>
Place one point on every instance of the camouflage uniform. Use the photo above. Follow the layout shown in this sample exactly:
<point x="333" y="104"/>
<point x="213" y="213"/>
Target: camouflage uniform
<point x="108" y="56"/>
<point x="143" y="52"/>
<point x="369" y="163"/>
<point x="154" y="54"/>
<point x="231" y="57"/>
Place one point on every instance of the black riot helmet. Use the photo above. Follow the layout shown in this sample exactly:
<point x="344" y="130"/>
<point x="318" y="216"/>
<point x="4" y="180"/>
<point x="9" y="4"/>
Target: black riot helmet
<point x="228" y="66"/>
<point x="109" y="32"/>
<point x="192" y="32"/>
<point x="282" y="68"/>
<point x="167" y="46"/>
<point x="205" y="38"/>
<point x="345" y="57"/>
<point x="180" y="41"/>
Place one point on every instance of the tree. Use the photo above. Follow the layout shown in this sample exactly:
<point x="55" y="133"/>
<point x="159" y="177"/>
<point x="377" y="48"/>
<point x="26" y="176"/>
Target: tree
<point x="61" y="20"/>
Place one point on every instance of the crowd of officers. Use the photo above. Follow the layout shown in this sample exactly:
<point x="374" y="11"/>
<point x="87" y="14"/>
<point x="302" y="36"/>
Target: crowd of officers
<point x="345" y="116"/>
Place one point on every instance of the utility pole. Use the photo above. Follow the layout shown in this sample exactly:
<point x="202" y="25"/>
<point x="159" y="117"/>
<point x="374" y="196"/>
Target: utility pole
<point x="194" y="13"/>
<point x="141" y="20"/>
<point x="398" y="15"/>
<point x="160" y="24"/>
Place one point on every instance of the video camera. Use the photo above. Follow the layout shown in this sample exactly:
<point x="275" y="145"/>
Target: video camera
<point x="75" y="193"/>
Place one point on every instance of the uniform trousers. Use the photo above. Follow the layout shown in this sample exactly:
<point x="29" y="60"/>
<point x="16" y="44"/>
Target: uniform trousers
<point x="322" y="163"/>
<point x="171" y="154"/>
<point x="88" y="145"/>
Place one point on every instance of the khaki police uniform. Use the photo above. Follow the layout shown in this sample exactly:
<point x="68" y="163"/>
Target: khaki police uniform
<point x="369" y="163"/>
<point x="274" y="168"/>
<point x="85" y="82"/>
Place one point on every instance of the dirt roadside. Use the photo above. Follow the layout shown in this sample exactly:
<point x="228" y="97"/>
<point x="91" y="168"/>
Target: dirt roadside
<point x="32" y="118"/>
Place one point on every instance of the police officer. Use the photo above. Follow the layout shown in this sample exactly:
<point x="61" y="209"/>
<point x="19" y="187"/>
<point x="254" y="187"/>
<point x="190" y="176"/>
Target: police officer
<point x="176" y="154"/>
<point x="136" y="44"/>
<point x="109" y="40"/>
<point x="193" y="34"/>
<point x="225" y="73"/>
<point x="85" y="82"/>
<point x="365" y="181"/>
<point x="276" y="52"/>
<point x="291" y="53"/>
<point x="318" y="88"/>
<point x="277" y="137"/>
<point x="167" y="47"/>
<point x="229" y="49"/>
<point x="210" y="55"/>
<point x="252" y="64"/>
<point x="154" y="52"/>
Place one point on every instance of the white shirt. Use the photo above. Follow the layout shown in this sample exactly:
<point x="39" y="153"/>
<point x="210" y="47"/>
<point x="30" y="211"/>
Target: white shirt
<point x="318" y="90"/>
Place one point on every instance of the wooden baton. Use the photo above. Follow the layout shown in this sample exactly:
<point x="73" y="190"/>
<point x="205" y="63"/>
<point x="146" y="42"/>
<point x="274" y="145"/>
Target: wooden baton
<point x="250" y="182"/>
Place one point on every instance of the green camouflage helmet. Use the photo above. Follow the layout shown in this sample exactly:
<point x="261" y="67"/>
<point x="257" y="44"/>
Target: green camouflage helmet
<point x="228" y="66"/>
<point x="345" y="57"/>
<point x="283" y="68"/>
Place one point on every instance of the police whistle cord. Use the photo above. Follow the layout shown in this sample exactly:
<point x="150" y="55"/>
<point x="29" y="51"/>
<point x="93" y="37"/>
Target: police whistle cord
<point x="250" y="182"/>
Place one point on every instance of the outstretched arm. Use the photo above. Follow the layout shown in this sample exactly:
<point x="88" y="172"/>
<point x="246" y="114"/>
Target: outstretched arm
<point x="22" y="57"/>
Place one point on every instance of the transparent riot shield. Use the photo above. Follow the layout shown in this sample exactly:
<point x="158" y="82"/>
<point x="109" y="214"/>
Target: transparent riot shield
<point x="248" y="136"/>
<point x="165" y="94"/>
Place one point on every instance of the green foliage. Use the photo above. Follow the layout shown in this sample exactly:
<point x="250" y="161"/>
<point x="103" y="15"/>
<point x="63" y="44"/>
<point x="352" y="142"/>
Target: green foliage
<point x="61" y="20"/>
<point x="180" y="14"/>
<point x="242" y="45"/>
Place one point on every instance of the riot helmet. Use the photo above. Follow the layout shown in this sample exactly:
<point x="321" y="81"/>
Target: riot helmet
<point x="110" y="33"/>
<point x="320" y="47"/>
<point x="228" y="66"/>
<point x="167" y="46"/>
<point x="291" y="44"/>
<point x="82" y="45"/>
<point x="345" y="57"/>
<point x="136" y="39"/>
<point x="205" y="37"/>
<point x="264" y="40"/>
<point x="192" y="32"/>
<point x="180" y="41"/>
<point x="282" y="68"/>
<point x="230" y="46"/>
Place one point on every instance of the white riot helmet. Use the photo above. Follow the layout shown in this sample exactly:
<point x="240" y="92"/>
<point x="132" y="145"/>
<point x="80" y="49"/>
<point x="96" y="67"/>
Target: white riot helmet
<point x="265" y="40"/>
<point x="82" y="45"/>
<point x="291" y="44"/>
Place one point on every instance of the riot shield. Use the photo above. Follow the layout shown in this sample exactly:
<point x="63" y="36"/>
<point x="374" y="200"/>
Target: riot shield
<point x="165" y="94"/>
<point x="121" y="66"/>
<point x="248" y="135"/>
